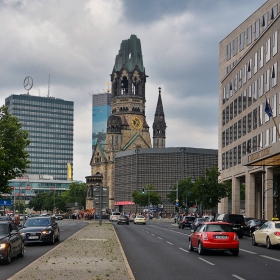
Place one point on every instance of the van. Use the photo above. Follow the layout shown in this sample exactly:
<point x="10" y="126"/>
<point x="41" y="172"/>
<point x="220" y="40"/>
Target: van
<point x="115" y="216"/>
<point x="237" y="222"/>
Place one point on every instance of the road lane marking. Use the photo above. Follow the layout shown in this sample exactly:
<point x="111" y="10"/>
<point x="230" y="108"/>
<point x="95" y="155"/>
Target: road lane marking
<point x="184" y="250"/>
<point x="169" y="242"/>
<point x="152" y="234"/>
<point x="147" y="231"/>
<point x="238" y="277"/>
<point x="206" y="261"/>
<point x="159" y="238"/>
<point x="250" y="252"/>
<point x="277" y="260"/>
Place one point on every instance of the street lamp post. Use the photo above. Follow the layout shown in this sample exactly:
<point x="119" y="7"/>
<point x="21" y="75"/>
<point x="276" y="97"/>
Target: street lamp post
<point x="263" y="202"/>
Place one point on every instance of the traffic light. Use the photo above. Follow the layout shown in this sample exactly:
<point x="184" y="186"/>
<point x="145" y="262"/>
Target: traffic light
<point x="143" y="191"/>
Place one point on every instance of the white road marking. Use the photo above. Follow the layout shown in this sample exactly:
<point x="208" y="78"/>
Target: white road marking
<point x="152" y="234"/>
<point x="250" y="252"/>
<point x="169" y="242"/>
<point x="206" y="261"/>
<point x="93" y="239"/>
<point x="147" y="231"/>
<point x="277" y="260"/>
<point x="184" y="250"/>
<point x="159" y="238"/>
<point x="238" y="277"/>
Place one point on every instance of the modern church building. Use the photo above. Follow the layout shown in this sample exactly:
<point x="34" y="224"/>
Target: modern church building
<point x="249" y="108"/>
<point x="50" y="123"/>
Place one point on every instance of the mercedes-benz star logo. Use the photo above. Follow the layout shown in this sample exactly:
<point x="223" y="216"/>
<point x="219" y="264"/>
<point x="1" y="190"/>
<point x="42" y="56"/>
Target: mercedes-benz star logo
<point x="28" y="83"/>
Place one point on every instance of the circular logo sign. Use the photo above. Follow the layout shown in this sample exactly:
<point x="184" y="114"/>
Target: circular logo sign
<point x="28" y="83"/>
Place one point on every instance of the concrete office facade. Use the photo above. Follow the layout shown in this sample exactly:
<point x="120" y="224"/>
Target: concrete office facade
<point x="248" y="139"/>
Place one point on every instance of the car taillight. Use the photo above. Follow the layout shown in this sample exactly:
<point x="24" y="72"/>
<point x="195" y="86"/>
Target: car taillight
<point x="235" y="237"/>
<point x="204" y="236"/>
<point x="277" y="233"/>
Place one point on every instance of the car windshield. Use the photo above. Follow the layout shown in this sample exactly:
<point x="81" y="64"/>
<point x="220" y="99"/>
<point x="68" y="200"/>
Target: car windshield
<point x="122" y="216"/>
<point x="219" y="228"/>
<point x="37" y="222"/>
<point x="3" y="229"/>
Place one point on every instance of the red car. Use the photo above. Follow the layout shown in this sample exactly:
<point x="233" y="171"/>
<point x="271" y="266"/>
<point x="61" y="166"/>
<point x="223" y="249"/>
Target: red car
<point x="214" y="236"/>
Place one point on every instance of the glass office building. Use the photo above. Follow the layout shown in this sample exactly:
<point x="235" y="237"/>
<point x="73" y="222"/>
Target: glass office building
<point x="101" y="110"/>
<point x="49" y="122"/>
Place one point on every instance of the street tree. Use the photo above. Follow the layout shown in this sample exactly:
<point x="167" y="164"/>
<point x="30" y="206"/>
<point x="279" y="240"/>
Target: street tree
<point x="13" y="157"/>
<point x="77" y="193"/>
<point x="148" y="195"/>
<point x="37" y="203"/>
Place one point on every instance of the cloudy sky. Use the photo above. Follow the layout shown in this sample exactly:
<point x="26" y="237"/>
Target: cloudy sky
<point x="76" y="41"/>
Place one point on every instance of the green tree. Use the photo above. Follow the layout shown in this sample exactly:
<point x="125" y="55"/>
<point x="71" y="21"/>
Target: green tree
<point x="13" y="157"/>
<point x="37" y="203"/>
<point x="149" y="197"/>
<point x="77" y="193"/>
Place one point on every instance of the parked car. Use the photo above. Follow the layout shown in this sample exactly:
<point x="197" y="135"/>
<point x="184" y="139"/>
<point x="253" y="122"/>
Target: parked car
<point x="197" y="222"/>
<point x="237" y="221"/>
<point x="214" y="236"/>
<point x="139" y="219"/>
<point x="123" y="219"/>
<point x="40" y="229"/>
<point x="253" y="225"/>
<point x="58" y="217"/>
<point x="186" y="222"/>
<point x="268" y="234"/>
<point x="11" y="242"/>
<point x="115" y="216"/>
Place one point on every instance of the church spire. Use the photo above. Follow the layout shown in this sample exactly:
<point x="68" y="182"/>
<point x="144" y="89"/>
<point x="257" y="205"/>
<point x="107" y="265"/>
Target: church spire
<point x="159" y="125"/>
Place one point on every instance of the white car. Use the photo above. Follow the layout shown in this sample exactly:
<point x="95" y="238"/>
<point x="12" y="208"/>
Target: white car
<point x="268" y="234"/>
<point x="139" y="219"/>
<point x="115" y="216"/>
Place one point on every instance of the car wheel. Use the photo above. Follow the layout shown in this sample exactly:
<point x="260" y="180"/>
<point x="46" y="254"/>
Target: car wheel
<point x="183" y="226"/>
<point x="144" y="223"/>
<point x="200" y="249"/>
<point x="21" y="253"/>
<point x="127" y="223"/>
<point x="254" y="241"/>
<point x="58" y="237"/>
<point x="118" y="223"/>
<point x="190" y="245"/>
<point x="240" y="235"/>
<point x="9" y="256"/>
<point x="53" y="240"/>
<point x="250" y="233"/>
<point x="235" y="252"/>
<point x="268" y="244"/>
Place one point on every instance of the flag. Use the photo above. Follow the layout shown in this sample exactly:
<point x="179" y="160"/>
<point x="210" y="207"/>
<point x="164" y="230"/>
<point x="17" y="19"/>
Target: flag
<point x="268" y="109"/>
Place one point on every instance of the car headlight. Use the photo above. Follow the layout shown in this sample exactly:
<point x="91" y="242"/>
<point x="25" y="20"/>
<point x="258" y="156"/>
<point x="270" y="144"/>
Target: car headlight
<point x="22" y="234"/>
<point x="46" y="232"/>
<point x="3" y="246"/>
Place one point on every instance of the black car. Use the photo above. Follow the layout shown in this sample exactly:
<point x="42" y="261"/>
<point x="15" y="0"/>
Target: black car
<point x="11" y="242"/>
<point x="58" y="217"/>
<point x="186" y="222"/>
<point x="40" y="229"/>
<point x="197" y="222"/>
<point x="123" y="219"/>
<point x="253" y="225"/>
<point x="237" y="222"/>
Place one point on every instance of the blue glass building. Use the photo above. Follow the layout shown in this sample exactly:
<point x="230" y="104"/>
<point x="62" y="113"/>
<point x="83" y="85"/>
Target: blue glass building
<point x="101" y="110"/>
<point x="50" y="123"/>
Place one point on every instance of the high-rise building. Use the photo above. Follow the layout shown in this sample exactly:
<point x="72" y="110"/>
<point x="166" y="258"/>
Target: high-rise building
<point x="249" y="145"/>
<point x="49" y="122"/>
<point x="101" y="110"/>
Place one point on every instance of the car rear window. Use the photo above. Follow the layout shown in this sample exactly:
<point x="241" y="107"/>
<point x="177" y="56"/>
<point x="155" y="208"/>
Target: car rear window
<point x="277" y="225"/>
<point x="237" y="219"/>
<point x="219" y="228"/>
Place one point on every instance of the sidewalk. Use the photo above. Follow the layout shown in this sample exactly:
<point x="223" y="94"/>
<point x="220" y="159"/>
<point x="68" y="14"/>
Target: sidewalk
<point x="93" y="253"/>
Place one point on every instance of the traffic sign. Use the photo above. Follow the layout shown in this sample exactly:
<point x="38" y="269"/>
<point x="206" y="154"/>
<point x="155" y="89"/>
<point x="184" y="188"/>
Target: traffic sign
<point x="5" y="202"/>
<point x="177" y="204"/>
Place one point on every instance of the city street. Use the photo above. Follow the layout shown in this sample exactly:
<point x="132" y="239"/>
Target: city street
<point x="160" y="250"/>
<point x="34" y="251"/>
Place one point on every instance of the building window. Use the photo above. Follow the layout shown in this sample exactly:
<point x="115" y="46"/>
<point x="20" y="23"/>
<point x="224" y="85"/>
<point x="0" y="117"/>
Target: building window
<point x="227" y="137"/>
<point x="234" y="155"/>
<point x="260" y="115"/>
<point x="255" y="63"/>
<point x="267" y="80"/>
<point x="244" y="149"/>
<point x="266" y="138"/>
<point x="235" y="107"/>
<point x="224" y="117"/>
<point x="223" y="139"/>
<point x="239" y="129"/>
<point x="273" y="134"/>
<point x="223" y="161"/>
<point x="234" y="47"/>
<point x="257" y="29"/>
<point x="231" y="110"/>
<point x="240" y="79"/>
<point x="249" y="95"/>
<point x="274" y="75"/>
<point x="244" y="100"/>
<point x="261" y="58"/>
<point x="241" y="41"/>
<point x="249" y="35"/>
<point x="275" y="43"/>
<point x="228" y="69"/>
<point x="239" y="103"/>
<point x="227" y="114"/>
<point x="255" y="145"/>
<point x="255" y="118"/>
<point x="261" y="86"/>
<point x="230" y="158"/>
<point x="229" y="51"/>
<point x="239" y="154"/>
<point x="273" y="105"/>
<point x="249" y="122"/>
<point x="226" y="160"/>
<point x="264" y="21"/>
<point x="230" y="134"/>
<point x="249" y="146"/>
<point x="255" y="90"/>
<point x="260" y="138"/>
<point x="244" y="126"/>
<point x="235" y="132"/>
<point x="267" y="49"/>
<point x="273" y="13"/>
<point x="244" y="74"/>
<point x="249" y="69"/>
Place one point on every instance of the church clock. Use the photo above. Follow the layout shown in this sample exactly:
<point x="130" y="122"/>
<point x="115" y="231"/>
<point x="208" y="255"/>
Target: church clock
<point x="136" y="122"/>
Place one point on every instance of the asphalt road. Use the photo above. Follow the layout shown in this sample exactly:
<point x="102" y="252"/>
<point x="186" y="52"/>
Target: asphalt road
<point x="34" y="251"/>
<point x="159" y="250"/>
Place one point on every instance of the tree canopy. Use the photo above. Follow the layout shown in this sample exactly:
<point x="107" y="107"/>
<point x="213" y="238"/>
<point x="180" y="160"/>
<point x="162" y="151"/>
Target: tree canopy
<point x="13" y="141"/>
<point x="77" y="193"/>
<point x="148" y="197"/>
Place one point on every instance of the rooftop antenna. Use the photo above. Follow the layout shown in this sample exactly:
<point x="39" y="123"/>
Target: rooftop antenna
<point x="49" y="85"/>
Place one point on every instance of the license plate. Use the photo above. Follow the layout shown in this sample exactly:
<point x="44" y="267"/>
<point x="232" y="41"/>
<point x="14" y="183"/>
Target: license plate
<point x="220" y="237"/>
<point x="235" y="228"/>
<point x="33" y="237"/>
